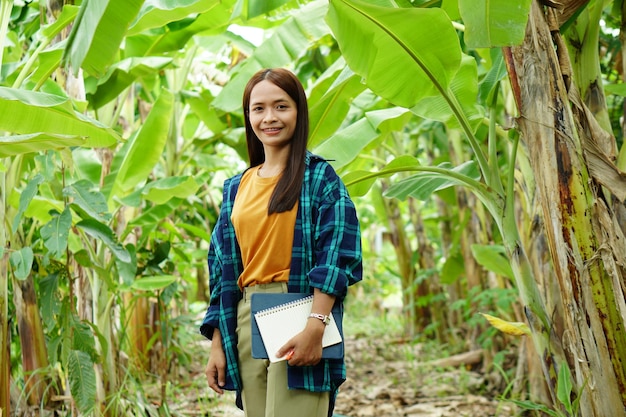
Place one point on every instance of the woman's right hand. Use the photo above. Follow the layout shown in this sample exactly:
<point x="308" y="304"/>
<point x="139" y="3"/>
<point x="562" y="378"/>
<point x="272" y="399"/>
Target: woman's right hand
<point x="216" y="366"/>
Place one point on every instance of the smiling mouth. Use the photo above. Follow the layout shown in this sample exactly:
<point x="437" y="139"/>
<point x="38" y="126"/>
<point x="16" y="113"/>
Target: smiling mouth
<point x="272" y="130"/>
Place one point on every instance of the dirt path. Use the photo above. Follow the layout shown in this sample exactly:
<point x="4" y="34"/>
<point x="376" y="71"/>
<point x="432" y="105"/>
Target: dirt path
<point x="386" y="380"/>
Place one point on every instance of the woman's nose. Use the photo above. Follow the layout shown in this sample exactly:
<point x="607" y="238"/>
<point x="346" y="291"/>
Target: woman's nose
<point x="269" y="116"/>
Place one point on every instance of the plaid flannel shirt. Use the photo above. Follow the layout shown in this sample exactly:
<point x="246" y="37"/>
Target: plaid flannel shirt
<point x="326" y="255"/>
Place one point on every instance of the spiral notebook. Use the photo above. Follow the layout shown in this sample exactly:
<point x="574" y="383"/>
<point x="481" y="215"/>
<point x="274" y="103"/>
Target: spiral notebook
<point x="277" y="317"/>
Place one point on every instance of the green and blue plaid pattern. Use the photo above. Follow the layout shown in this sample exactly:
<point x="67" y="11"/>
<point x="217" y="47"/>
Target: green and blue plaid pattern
<point x="326" y="254"/>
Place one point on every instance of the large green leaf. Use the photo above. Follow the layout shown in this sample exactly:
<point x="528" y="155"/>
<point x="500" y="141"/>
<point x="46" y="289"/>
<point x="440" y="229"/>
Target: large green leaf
<point x="42" y="208"/>
<point x="97" y="34"/>
<point x="22" y="262"/>
<point x="329" y="102"/>
<point x="490" y="84"/>
<point x="156" y="214"/>
<point x="359" y="182"/>
<point x="345" y="145"/>
<point x="82" y="338"/>
<point x="617" y="89"/>
<point x="88" y="199"/>
<point x="30" y="191"/>
<point x="164" y="189"/>
<point x="47" y="62"/>
<point x="48" y="299"/>
<point x="67" y="16"/>
<point x="406" y="55"/>
<point x="453" y="268"/>
<point x="55" y="233"/>
<point x="144" y="149"/>
<point x="88" y="164"/>
<point x="423" y="184"/>
<point x="196" y="231"/>
<point x="38" y="142"/>
<point x="173" y="36"/>
<point x="464" y="86"/>
<point x="249" y="9"/>
<point x="153" y="283"/>
<point x="391" y="119"/>
<point x="82" y="379"/>
<point x="403" y="54"/>
<point x="288" y="42"/>
<point x="128" y="270"/>
<point x="490" y="23"/>
<point x="121" y="75"/>
<point x="43" y="58"/>
<point x="493" y="258"/>
<point x="38" y="113"/>
<point x="159" y="13"/>
<point x="104" y="233"/>
<point x="200" y="104"/>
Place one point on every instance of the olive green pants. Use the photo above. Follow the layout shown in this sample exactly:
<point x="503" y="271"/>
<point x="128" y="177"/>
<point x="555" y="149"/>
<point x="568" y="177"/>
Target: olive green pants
<point x="265" y="392"/>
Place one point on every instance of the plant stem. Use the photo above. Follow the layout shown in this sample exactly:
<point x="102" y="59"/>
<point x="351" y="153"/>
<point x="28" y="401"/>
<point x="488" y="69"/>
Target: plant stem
<point x="5" y="340"/>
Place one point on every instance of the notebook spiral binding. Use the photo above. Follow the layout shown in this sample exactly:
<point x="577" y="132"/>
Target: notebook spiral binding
<point x="284" y="306"/>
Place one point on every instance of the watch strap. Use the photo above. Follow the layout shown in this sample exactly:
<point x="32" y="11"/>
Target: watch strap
<point x="322" y="317"/>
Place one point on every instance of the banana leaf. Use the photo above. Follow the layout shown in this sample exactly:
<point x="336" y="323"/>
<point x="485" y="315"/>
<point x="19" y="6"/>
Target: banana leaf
<point x="490" y="23"/>
<point x="404" y="55"/>
<point x="51" y="115"/>
<point x="22" y="144"/>
<point x="287" y="43"/>
<point x="98" y="32"/>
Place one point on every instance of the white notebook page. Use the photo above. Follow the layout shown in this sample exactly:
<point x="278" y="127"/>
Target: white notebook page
<point x="279" y="324"/>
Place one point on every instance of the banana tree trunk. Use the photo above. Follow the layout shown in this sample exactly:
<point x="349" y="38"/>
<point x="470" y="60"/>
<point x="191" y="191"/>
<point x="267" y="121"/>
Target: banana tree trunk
<point x="585" y="244"/>
<point x="34" y="354"/>
<point x="406" y="267"/>
<point x="426" y="262"/>
<point x="541" y="265"/>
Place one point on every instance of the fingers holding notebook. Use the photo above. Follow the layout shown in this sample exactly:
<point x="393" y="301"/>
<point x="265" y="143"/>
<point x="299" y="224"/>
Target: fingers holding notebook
<point x="304" y="349"/>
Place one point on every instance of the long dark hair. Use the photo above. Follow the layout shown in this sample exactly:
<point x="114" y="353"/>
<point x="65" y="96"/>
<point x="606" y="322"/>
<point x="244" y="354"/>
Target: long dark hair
<point x="287" y="190"/>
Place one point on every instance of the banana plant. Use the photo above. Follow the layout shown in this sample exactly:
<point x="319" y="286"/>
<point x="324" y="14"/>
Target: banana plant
<point x="46" y="121"/>
<point x="85" y="211"/>
<point x="432" y="77"/>
<point x="134" y="161"/>
<point x="393" y="43"/>
<point x="576" y="176"/>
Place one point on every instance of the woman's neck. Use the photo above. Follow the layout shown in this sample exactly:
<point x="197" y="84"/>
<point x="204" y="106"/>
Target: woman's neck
<point x="267" y="171"/>
<point x="275" y="162"/>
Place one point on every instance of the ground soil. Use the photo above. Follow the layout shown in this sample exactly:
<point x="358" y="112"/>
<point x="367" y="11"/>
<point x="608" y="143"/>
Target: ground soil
<point x="386" y="378"/>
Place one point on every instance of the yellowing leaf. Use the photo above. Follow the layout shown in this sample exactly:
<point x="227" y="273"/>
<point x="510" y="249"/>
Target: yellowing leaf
<point x="514" y="328"/>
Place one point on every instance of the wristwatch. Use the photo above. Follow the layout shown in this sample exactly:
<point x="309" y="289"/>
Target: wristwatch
<point x="323" y="318"/>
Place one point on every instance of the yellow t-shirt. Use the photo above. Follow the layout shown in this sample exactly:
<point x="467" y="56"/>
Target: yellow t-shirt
<point x="265" y="241"/>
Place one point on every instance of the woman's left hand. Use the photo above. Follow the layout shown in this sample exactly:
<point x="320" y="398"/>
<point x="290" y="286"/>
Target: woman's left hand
<point x="305" y="348"/>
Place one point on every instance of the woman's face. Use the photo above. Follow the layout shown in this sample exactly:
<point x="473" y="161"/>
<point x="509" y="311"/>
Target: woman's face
<point x="272" y="114"/>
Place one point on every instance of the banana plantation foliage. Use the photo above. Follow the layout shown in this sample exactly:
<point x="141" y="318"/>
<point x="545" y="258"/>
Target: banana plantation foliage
<point x="482" y="142"/>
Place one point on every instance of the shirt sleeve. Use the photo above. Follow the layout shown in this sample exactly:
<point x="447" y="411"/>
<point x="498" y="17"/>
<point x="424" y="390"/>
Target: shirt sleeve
<point x="338" y="253"/>
<point x="214" y="259"/>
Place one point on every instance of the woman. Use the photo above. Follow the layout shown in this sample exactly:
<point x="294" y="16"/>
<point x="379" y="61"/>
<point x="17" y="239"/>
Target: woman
<point x="287" y="224"/>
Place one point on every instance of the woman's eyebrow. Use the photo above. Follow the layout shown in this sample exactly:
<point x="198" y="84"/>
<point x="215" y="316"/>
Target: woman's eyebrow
<point x="280" y="100"/>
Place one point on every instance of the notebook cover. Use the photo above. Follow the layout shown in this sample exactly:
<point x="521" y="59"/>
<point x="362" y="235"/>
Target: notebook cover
<point x="262" y="301"/>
